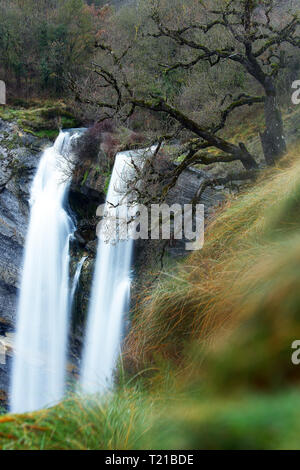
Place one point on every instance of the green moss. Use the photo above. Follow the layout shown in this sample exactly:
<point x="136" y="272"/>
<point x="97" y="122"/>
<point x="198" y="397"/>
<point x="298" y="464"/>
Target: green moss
<point x="85" y="177"/>
<point x="45" y="134"/>
<point x="107" y="181"/>
<point x="68" y="122"/>
<point x="11" y="142"/>
<point x="41" y="120"/>
<point x="130" y="419"/>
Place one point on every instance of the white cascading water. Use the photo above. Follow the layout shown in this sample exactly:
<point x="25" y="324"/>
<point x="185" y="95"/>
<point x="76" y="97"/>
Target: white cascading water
<point x="110" y="293"/>
<point x="39" y="364"/>
<point x="76" y="278"/>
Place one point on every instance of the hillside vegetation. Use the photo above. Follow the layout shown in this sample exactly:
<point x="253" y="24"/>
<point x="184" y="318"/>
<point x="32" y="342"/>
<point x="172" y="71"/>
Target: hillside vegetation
<point x="211" y="344"/>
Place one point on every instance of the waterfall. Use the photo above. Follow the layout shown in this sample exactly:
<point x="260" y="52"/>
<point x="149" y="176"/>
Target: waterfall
<point x="77" y="277"/>
<point x="110" y="293"/>
<point x="38" y="373"/>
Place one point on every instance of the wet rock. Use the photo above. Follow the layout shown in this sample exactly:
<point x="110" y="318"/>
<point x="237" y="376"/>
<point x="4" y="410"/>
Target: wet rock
<point x="18" y="164"/>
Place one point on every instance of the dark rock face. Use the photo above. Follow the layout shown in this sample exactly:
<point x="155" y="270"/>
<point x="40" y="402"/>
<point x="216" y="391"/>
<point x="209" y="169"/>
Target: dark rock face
<point x="19" y="158"/>
<point x="187" y="186"/>
<point x="183" y="193"/>
<point x="10" y="256"/>
<point x="86" y="194"/>
<point x="4" y="383"/>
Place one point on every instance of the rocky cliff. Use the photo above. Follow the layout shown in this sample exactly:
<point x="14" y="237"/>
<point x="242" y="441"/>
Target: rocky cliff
<point x="19" y="157"/>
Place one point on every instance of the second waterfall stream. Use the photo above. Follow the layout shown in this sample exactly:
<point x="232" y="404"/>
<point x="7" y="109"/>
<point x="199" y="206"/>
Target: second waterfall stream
<point x="110" y="291"/>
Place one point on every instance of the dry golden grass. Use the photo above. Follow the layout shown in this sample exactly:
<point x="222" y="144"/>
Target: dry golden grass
<point x="247" y="267"/>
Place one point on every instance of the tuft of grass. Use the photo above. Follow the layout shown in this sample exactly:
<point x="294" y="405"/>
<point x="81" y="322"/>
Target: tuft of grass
<point x="129" y="420"/>
<point x="81" y="423"/>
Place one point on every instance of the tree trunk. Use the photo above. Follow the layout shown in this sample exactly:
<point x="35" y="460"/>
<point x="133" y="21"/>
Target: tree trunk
<point x="247" y="159"/>
<point x="273" y="138"/>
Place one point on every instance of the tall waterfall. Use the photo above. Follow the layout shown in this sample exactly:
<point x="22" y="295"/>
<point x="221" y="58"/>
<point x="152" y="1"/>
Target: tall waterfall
<point x="110" y="294"/>
<point x="38" y="374"/>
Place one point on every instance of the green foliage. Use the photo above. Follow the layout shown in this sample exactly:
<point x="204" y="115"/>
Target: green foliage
<point x="107" y="181"/>
<point x="131" y="419"/>
<point x="251" y="422"/>
<point x="239" y="295"/>
<point x="85" y="177"/>
<point x="42" y="41"/>
<point x="87" y="424"/>
<point x="41" y="120"/>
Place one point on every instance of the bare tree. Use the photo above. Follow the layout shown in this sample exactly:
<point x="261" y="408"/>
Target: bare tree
<point x="257" y="45"/>
<point x="256" y="41"/>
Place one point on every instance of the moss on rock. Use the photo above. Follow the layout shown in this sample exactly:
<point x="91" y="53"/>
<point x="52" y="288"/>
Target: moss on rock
<point x="41" y="120"/>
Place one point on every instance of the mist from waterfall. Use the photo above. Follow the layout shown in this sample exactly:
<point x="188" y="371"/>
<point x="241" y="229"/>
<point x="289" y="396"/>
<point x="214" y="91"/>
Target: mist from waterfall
<point x="110" y="293"/>
<point x="39" y="363"/>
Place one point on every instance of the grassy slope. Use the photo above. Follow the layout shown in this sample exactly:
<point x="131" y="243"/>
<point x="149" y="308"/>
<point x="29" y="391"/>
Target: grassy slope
<point x="40" y="119"/>
<point x="247" y="250"/>
<point x="214" y="342"/>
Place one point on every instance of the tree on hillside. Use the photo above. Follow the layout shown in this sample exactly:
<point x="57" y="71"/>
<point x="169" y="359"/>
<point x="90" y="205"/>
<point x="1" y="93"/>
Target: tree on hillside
<point x="253" y="35"/>
<point x="256" y="40"/>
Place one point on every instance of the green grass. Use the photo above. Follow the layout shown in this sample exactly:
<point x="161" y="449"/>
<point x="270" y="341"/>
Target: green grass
<point x="115" y="423"/>
<point x="107" y="181"/>
<point x="41" y="119"/>
<point x="129" y="420"/>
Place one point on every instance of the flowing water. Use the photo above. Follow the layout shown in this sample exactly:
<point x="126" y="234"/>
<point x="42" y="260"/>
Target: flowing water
<point x="38" y="374"/>
<point x="77" y="277"/>
<point x="39" y="364"/>
<point x="110" y="293"/>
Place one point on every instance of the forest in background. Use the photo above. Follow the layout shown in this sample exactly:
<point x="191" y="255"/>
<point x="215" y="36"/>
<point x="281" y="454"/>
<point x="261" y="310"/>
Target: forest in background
<point x="44" y="43"/>
<point x="136" y="64"/>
